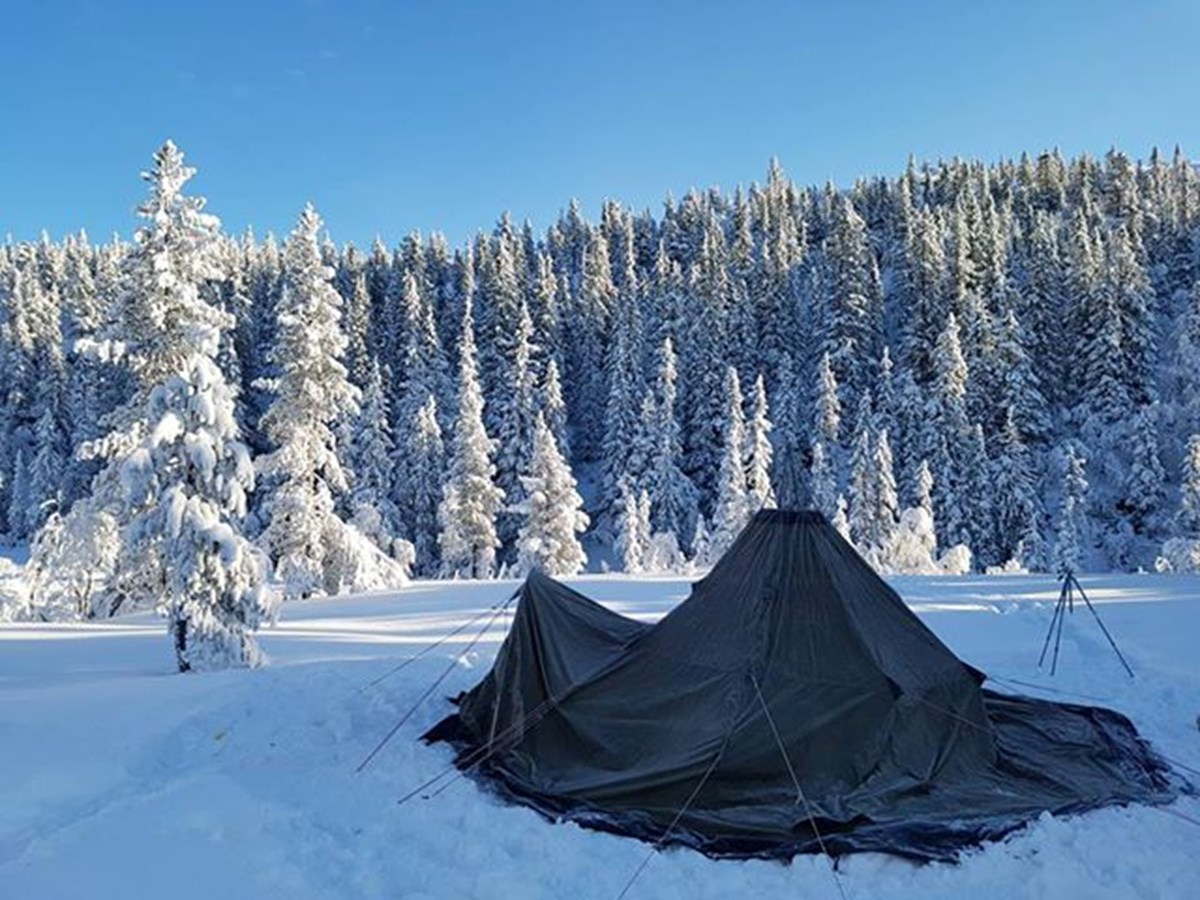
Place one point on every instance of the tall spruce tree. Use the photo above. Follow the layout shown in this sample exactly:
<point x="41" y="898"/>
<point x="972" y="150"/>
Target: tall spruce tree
<point x="176" y="474"/>
<point x="471" y="498"/>
<point x="304" y="536"/>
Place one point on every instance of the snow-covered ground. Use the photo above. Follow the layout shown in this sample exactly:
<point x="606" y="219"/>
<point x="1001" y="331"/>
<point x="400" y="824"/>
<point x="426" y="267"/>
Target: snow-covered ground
<point x="121" y="779"/>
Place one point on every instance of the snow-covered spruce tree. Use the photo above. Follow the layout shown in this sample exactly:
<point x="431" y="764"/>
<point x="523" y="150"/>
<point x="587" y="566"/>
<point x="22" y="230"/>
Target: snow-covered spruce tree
<point x="46" y="470"/>
<point x="313" y="550"/>
<point x="552" y="510"/>
<point x="887" y="502"/>
<point x="515" y="434"/>
<point x="1017" y="513"/>
<point x="829" y="407"/>
<point x="923" y="487"/>
<point x="177" y="475"/>
<point x="20" y="497"/>
<point x="732" y="509"/>
<point x="853" y="299"/>
<point x="863" y="481"/>
<point x="760" y="494"/>
<point x="788" y="466"/>
<point x="421" y="459"/>
<point x="470" y="497"/>
<point x="1068" y="549"/>
<point x="554" y="408"/>
<point x="839" y="521"/>
<point x="629" y="545"/>
<point x="823" y="481"/>
<point x="623" y="398"/>
<point x="372" y="459"/>
<point x="1189" y="507"/>
<point x="673" y="497"/>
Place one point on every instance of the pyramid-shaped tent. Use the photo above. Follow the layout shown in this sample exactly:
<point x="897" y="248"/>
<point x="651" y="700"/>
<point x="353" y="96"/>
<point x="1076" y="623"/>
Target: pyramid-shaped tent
<point x="793" y="697"/>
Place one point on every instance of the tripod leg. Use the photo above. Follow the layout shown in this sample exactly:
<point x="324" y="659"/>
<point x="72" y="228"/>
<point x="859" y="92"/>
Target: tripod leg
<point x="1053" y="621"/>
<point x="1067" y="603"/>
<point x="1100" y="622"/>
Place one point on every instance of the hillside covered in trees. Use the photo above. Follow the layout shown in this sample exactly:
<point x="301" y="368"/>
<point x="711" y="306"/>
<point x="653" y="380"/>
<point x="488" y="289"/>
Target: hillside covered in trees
<point x="1013" y="350"/>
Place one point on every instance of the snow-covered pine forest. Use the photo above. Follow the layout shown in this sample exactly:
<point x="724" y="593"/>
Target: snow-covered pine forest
<point x="970" y="366"/>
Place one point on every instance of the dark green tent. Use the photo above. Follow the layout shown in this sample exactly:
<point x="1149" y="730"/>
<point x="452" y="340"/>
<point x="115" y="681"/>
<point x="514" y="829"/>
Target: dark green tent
<point x="792" y="697"/>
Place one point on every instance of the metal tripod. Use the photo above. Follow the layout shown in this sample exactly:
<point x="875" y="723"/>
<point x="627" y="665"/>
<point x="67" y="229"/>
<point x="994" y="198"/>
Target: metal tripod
<point x="1066" y="604"/>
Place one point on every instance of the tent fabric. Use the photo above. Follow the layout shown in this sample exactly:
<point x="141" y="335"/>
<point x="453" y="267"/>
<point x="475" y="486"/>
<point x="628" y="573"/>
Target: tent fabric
<point x="792" y="689"/>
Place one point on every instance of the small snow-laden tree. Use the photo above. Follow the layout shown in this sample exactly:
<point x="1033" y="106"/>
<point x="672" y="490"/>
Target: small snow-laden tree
<point x="630" y="541"/>
<point x="912" y="547"/>
<point x="71" y="564"/>
<point x="759" y="453"/>
<point x="1189" y="508"/>
<point x="1180" y="555"/>
<point x="177" y="473"/>
<point x="1068" y="552"/>
<point x="663" y="553"/>
<point x="420" y="469"/>
<point x="840" y="523"/>
<point x="733" y="505"/>
<point x="312" y="394"/>
<point x="552" y="511"/>
<point x="14" y="592"/>
<point x="470" y="498"/>
<point x="372" y="458"/>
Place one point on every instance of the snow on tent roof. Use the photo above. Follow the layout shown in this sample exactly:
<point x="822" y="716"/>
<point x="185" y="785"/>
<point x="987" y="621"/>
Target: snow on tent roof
<point x="793" y="697"/>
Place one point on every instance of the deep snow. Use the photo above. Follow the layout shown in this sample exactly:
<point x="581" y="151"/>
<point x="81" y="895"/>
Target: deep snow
<point x="121" y="779"/>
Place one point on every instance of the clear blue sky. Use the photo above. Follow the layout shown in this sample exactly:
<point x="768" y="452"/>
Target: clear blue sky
<point x="436" y="115"/>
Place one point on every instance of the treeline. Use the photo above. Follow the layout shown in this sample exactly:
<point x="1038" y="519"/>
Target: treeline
<point x="1010" y="347"/>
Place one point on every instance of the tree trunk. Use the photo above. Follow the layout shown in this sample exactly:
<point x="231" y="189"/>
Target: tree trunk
<point x="180" y="631"/>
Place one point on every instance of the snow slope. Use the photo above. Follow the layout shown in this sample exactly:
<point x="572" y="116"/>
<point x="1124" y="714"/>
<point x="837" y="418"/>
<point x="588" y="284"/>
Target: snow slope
<point x="123" y="780"/>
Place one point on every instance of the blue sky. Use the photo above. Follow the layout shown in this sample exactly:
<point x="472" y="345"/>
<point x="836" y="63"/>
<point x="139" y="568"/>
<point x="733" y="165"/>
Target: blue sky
<point x="392" y="116"/>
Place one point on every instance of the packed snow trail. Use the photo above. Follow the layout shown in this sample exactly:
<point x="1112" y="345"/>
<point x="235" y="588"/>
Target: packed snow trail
<point x="125" y="780"/>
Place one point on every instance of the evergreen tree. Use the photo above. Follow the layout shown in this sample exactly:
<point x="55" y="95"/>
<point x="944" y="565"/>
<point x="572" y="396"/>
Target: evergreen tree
<point x="177" y="474"/>
<point x="1068" y="551"/>
<point x="372" y="458"/>
<point x="1189" y="508"/>
<point x="829" y="407"/>
<point x="419" y="474"/>
<point x="304" y="537"/>
<point x="732" y="509"/>
<point x="1018" y="536"/>
<point x="553" y="511"/>
<point x="759" y="452"/>
<point x="630" y="541"/>
<point x="863" y="483"/>
<point x="673" y="497"/>
<point x="554" y="408"/>
<point x="787" y="440"/>
<point x="470" y="499"/>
